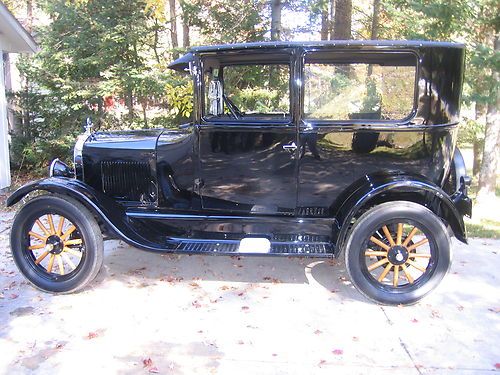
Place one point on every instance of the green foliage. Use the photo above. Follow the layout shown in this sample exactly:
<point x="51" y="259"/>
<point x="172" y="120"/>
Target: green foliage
<point x="227" y="21"/>
<point x="471" y="131"/>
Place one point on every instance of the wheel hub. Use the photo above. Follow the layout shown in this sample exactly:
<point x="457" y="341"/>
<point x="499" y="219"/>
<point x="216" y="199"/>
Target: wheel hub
<point x="397" y="255"/>
<point x="54" y="244"/>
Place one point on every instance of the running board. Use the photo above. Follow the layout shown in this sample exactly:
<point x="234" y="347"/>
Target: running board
<point x="258" y="246"/>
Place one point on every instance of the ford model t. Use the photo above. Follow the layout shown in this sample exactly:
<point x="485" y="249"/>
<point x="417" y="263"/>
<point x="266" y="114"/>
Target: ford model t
<point x="312" y="149"/>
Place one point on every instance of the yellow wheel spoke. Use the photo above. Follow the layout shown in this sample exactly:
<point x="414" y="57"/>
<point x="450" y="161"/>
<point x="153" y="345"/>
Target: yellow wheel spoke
<point x="51" y="224"/>
<point x="60" y="264"/>
<point x="51" y="263"/>
<point x="42" y="227"/>
<point x="379" y="243"/>
<point x="60" y="226"/>
<point x="371" y="253"/>
<point x="77" y="241"/>
<point x="395" y="280"/>
<point x="399" y="234"/>
<point x="378" y="264"/>
<point x="73" y="252"/>
<point x="35" y="247"/>
<point x="407" y="274"/>
<point x="419" y="243"/>
<point x="36" y="235"/>
<point x="410" y="236"/>
<point x="385" y="272"/>
<point x="415" y="255"/>
<point x="416" y="265"/>
<point x="67" y="260"/>
<point x="70" y="230"/>
<point x="42" y="257"/>
<point x="388" y="235"/>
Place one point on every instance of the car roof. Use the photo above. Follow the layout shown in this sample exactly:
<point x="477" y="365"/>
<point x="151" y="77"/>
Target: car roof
<point x="182" y="63"/>
<point x="326" y="43"/>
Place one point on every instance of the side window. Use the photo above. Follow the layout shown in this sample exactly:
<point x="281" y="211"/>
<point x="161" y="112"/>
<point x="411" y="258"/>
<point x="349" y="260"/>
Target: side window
<point x="247" y="92"/>
<point x="370" y="86"/>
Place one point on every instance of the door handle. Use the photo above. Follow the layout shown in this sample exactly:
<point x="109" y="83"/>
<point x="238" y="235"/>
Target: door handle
<point x="290" y="147"/>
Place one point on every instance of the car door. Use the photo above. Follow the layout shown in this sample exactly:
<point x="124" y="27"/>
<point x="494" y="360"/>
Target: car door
<point x="247" y="139"/>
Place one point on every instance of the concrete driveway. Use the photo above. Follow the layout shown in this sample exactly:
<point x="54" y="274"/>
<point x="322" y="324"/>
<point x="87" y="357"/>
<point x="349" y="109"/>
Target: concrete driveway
<point x="173" y="314"/>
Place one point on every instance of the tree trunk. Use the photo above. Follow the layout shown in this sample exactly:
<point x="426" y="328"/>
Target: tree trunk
<point x="477" y="149"/>
<point x="488" y="174"/>
<point x="374" y="30"/>
<point x="155" y="42"/>
<point x="29" y="15"/>
<point x="185" y="34"/>
<point x="332" y="16"/>
<point x="342" y="20"/>
<point x="325" y="22"/>
<point x="375" y="18"/>
<point x="276" y="6"/>
<point x="173" y="28"/>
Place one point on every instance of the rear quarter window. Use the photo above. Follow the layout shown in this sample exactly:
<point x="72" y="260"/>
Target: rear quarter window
<point x="360" y="86"/>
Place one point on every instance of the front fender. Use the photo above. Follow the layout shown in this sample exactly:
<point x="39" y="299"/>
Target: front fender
<point x="110" y="213"/>
<point x="390" y="186"/>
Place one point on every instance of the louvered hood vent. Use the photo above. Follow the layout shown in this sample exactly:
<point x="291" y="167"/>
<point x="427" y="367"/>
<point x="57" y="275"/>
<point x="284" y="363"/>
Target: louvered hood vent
<point x="128" y="180"/>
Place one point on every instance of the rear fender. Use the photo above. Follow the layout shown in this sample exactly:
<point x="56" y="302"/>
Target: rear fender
<point x="391" y="186"/>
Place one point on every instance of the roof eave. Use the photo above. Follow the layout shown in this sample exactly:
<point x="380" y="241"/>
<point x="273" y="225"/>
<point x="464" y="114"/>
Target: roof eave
<point x="24" y="37"/>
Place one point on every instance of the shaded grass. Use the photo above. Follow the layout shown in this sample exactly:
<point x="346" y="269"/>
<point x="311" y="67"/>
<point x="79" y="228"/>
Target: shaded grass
<point x="485" y="228"/>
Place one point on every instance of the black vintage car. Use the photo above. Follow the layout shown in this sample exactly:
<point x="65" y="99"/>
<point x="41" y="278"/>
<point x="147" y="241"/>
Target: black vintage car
<point x="310" y="149"/>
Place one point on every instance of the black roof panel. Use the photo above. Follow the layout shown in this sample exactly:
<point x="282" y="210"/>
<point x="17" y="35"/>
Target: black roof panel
<point x="331" y="43"/>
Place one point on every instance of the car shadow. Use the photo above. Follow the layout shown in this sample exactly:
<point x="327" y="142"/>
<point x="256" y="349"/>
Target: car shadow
<point x="129" y="265"/>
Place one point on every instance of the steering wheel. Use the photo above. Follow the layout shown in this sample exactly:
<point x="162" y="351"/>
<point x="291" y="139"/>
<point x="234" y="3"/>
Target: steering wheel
<point x="233" y="109"/>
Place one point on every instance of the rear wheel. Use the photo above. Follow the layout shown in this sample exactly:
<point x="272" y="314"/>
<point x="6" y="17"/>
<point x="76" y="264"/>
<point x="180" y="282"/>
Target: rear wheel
<point x="56" y="244"/>
<point x="397" y="252"/>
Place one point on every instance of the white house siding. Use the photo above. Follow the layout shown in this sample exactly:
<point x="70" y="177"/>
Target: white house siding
<point x="4" y="144"/>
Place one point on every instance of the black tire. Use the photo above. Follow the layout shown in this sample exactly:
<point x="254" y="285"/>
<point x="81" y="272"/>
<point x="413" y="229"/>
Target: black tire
<point x="37" y="251"/>
<point x="371" y="256"/>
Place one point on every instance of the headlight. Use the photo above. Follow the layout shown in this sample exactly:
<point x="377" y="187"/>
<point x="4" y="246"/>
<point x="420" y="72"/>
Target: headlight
<point x="59" y="169"/>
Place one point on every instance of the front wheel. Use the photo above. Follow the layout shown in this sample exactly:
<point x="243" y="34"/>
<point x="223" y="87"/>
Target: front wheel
<point x="56" y="244"/>
<point x="397" y="252"/>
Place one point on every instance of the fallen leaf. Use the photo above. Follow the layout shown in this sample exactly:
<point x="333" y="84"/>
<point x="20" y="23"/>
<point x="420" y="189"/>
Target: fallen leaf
<point x="224" y="287"/>
<point x="317" y="332"/>
<point x="241" y="342"/>
<point x="414" y="320"/>
<point x="460" y="308"/>
<point x="245" y="308"/>
<point x="194" y="285"/>
<point x="196" y="304"/>
<point x="59" y="346"/>
<point x="148" y="362"/>
<point x="13" y="296"/>
<point x="92" y="335"/>
<point x="322" y="362"/>
<point x="436" y="314"/>
<point x="355" y="338"/>
<point x="241" y="293"/>
<point x="338" y="351"/>
<point x="153" y="370"/>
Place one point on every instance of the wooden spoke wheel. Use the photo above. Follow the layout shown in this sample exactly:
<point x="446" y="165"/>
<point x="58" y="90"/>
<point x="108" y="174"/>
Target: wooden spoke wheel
<point x="56" y="244"/>
<point x="397" y="252"/>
